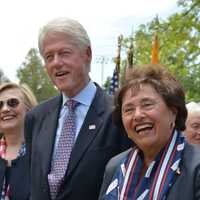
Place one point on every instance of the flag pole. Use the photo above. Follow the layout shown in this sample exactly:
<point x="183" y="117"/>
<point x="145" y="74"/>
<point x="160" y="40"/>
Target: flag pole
<point x="129" y="66"/>
<point x="155" y="43"/>
<point x="114" y="85"/>
<point x="118" y="57"/>
<point x="130" y="53"/>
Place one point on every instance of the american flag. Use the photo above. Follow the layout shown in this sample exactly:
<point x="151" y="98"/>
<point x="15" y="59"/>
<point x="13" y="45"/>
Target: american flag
<point x="114" y="85"/>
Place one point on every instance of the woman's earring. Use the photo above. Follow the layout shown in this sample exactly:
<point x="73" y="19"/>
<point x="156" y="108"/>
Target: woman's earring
<point x="172" y="125"/>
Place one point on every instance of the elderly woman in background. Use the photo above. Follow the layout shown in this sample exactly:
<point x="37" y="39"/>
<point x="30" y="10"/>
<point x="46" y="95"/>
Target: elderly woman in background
<point x="192" y="131"/>
<point x="161" y="165"/>
<point x="15" y="101"/>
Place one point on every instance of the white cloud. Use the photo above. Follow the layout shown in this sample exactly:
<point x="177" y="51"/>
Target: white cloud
<point x="104" y="20"/>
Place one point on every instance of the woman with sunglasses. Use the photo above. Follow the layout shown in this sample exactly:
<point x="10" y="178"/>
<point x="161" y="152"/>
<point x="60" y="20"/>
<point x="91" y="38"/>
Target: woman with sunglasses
<point x="15" y="101"/>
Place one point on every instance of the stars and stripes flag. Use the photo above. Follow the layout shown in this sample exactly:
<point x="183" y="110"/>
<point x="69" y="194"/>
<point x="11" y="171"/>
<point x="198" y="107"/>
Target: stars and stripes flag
<point x="114" y="85"/>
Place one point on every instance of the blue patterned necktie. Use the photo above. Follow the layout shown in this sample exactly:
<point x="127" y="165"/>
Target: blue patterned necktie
<point x="64" y="148"/>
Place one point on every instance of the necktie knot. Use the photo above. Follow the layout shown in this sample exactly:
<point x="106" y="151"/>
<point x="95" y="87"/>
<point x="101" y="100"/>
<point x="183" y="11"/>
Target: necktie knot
<point x="72" y="104"/>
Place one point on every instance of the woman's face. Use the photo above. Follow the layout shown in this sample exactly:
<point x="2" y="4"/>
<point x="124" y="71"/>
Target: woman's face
<point x="147" y="119"/>
<point x="12" y="110"/>
<point x="192" y="131"/>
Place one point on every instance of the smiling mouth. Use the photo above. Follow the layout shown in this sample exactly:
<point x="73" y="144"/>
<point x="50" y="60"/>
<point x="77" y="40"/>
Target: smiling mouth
<point x="9" y="117"/>
<point x="60" y="74"/>
<point x="143" y="128"/>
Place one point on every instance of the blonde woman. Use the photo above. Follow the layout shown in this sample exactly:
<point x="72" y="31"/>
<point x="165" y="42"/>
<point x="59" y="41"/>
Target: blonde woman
<point x="15" y="101"/>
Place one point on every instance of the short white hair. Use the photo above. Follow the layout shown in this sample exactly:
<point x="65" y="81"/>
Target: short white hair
<point x="193" y="107"/>
<point x="67" y="26"/>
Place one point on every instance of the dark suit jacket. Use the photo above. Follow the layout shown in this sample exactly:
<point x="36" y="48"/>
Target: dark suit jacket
<point x="186" y="185"/>
<point x="92" y="150"/>
<point x="19" y="178"/>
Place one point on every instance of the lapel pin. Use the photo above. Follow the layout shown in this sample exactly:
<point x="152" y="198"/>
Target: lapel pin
<point x="92" y="127"/>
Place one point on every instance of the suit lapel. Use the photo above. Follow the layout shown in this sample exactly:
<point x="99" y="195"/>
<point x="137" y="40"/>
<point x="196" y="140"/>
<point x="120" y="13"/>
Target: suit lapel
<point x="47" y="134"/>
<point x="89" y="130"/>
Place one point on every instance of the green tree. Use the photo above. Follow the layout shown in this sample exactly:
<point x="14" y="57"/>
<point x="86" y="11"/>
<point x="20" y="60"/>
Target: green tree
<point x="179" y="38"/>
<point x="3" y="78"/>
<point x="107" y="83"/>
<point x="33" y="74"/>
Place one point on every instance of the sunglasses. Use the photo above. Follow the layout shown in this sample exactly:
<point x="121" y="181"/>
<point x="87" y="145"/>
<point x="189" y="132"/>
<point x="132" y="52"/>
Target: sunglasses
<point x="12" y="103"/>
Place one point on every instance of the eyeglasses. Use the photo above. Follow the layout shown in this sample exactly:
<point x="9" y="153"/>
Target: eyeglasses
<point x="12" y="103"/>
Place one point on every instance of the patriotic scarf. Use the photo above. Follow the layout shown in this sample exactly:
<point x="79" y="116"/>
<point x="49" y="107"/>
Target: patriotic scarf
<point x="129" y="184"/>
<point x="5" y="194"/>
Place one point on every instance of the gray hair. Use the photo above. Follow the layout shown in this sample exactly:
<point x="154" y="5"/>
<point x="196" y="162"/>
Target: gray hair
<point x="193" y="107"/>
<point x="67" y="26"/>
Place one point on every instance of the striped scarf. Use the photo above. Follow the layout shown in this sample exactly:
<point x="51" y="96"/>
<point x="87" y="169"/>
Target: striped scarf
<point x="129" y="184"/>
<point x="5" y="194"/>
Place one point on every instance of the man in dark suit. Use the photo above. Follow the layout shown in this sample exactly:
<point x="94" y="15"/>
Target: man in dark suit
<point x="66" y="49"/>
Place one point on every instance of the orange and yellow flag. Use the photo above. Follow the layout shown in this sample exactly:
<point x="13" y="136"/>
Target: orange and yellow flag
<point x="155" y="50"/>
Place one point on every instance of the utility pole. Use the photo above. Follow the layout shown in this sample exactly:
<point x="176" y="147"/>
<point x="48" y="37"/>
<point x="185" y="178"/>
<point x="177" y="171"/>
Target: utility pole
<point x="102" y="60"/>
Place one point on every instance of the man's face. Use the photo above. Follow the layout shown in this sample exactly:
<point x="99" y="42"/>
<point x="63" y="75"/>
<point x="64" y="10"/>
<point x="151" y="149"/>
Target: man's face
<point x="192" y="131"/>
<point x="66" y="64"/>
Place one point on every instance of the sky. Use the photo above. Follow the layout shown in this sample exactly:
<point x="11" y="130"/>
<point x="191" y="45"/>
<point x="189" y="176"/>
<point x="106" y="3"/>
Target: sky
<point x="104" y="21"/>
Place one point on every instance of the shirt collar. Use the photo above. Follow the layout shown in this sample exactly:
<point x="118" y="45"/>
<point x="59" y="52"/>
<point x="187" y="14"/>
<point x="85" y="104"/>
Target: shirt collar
<point x="85" y="96"/>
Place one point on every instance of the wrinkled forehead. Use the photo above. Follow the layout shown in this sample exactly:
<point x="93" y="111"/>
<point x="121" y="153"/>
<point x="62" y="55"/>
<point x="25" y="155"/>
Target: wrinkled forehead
<point x="194" y="116"/>
<point x="135" y="88"/>
<point x="141" y="93"/>
<point x="55" y="36"/>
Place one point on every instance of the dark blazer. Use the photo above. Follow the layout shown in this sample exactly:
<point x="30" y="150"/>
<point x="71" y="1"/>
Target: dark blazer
<point x="92" y="150"/>
<point x="19" y="178"/>
<point x="187" y="183"/>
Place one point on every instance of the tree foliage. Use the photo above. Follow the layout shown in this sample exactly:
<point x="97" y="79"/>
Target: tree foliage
<point x="3" y="78"/>
<point x="179" y="38"/>
<point x="107" y="84"/>
<point x="33" y="74"/>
